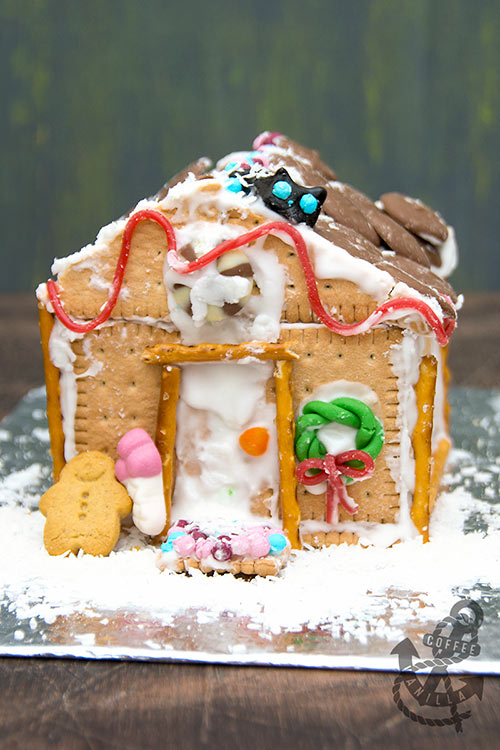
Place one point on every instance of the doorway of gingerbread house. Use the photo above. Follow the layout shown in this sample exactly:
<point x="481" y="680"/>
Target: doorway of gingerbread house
<point x="225" y="433"/>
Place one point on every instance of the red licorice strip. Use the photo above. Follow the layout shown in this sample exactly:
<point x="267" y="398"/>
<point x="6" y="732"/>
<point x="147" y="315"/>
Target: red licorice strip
<point x="116" y="284"/>
<point x="384" y="312"/>
<point x="331" y="470"/>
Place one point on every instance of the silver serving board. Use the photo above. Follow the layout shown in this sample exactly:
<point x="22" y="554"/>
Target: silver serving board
<point x="136" y="635"/>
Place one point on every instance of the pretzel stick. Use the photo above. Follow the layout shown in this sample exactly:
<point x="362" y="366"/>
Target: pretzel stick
<point x="422" y="445"/>
<point x="54" y="416"/>
<point x="441" y="453"/>
<point x="438" y="463"/>
<point x="168" y="354"/>
<point x="165" y="432"/>
<point x="446" y="381"/>
<point x="285" y="426"/>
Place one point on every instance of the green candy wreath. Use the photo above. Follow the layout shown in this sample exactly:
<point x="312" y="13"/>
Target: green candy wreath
<point x="347" y="411"/>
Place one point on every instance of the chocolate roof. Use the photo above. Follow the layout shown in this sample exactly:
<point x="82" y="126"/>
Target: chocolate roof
<point x="397" y="234"/>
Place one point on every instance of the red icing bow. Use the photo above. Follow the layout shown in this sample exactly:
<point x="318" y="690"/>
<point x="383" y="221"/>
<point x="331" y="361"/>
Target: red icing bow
<point x="331" y="469"/>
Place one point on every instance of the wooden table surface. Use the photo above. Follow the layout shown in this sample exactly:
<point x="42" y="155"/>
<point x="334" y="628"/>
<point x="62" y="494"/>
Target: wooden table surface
<point x="65" y="703"/>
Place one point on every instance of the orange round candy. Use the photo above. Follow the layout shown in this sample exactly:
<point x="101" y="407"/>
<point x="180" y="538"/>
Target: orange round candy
<point x="255" y="441"/>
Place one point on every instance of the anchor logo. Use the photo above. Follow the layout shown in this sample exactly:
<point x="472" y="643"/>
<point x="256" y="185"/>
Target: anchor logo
<point x="453" y="640"/>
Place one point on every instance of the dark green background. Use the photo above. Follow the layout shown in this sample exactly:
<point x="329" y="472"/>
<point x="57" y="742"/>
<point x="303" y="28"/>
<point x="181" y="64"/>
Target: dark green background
<point x="102" y="100"/>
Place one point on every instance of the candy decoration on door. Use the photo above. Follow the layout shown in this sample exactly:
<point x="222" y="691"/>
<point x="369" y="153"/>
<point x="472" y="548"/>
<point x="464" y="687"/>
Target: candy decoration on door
<point x="344" y="467"/>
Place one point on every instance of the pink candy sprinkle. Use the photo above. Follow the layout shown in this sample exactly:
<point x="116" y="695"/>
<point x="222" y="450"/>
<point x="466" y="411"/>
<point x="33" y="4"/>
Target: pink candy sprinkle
<point x="265" y="139"/>
<point x="241" y="545"/>
<point x="184" y="545"/>
<point x="259" y="545"/>
<point x="222" y="551"/>
<point x="197" y="534"/>
<point x="247" y="542"/>
<point x="203" y="548"/>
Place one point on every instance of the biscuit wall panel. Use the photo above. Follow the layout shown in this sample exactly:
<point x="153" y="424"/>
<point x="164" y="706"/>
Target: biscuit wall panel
<point x="326" y="357"/>
<point x="124" y="393"/>
<point x="84" y="292"/>
<point x="83" y="288"/>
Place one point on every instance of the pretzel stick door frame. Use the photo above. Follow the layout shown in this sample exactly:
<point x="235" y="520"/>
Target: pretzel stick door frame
<point x="169" y="355"/>
<point x="166" y="427"/>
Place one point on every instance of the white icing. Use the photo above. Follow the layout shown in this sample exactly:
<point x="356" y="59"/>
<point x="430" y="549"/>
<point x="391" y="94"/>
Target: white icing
<point x="235" y="401"/>
<point x="294" y="172"/>
<point x="448" y="251"/>
<point x="439" y="426"/>
<point x="349" y="388"/>
<point x="95" y="366"/>
<point x="259" y="319"/>
<point x="144" y="320"/>
<point x="211" y="288"/>
<point x="215" y="478"/>
<point x="403" y="290"/>
<point x="337" y="438"/>
<point x="149" y="514"/>
<point x="205" y="235"/>
<point x="43" y="297"/>
<point x="333" y="262"/>
<point x="405" y="358"/>
<point x="88" y="254"/>
<point x="63" y="357"/>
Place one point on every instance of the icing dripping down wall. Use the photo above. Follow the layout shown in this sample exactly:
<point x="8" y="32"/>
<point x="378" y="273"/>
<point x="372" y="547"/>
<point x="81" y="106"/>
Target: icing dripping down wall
<point x="215" y="478"/>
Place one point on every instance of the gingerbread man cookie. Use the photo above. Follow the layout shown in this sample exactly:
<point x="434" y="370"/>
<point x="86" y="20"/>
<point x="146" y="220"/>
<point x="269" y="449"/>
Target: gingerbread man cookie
<point x="84" y="508"/>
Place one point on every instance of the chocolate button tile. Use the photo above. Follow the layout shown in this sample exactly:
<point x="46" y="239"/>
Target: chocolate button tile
<point x="306" y="155"/>
<point x="340" y="208"/>
<point x="431" y="252"/>
<point x="425" y="275"/>
<point x="393" y="234"/>
<point x="399" y="274"/>
<point x="355" y="244"/>
<point x="415" y="216"/>
<point x="197" y="167"/>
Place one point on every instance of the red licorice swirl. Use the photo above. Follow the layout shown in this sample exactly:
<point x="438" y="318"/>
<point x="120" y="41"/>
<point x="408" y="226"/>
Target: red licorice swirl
<point x="387" y="310"/>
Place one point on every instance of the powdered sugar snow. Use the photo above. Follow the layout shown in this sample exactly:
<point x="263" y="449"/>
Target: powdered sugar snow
<point x="350" y="590"/>
<point x="346" y="585"/>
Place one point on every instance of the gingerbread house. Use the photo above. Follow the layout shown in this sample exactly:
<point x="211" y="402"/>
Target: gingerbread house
<point x="280" y="336"/>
